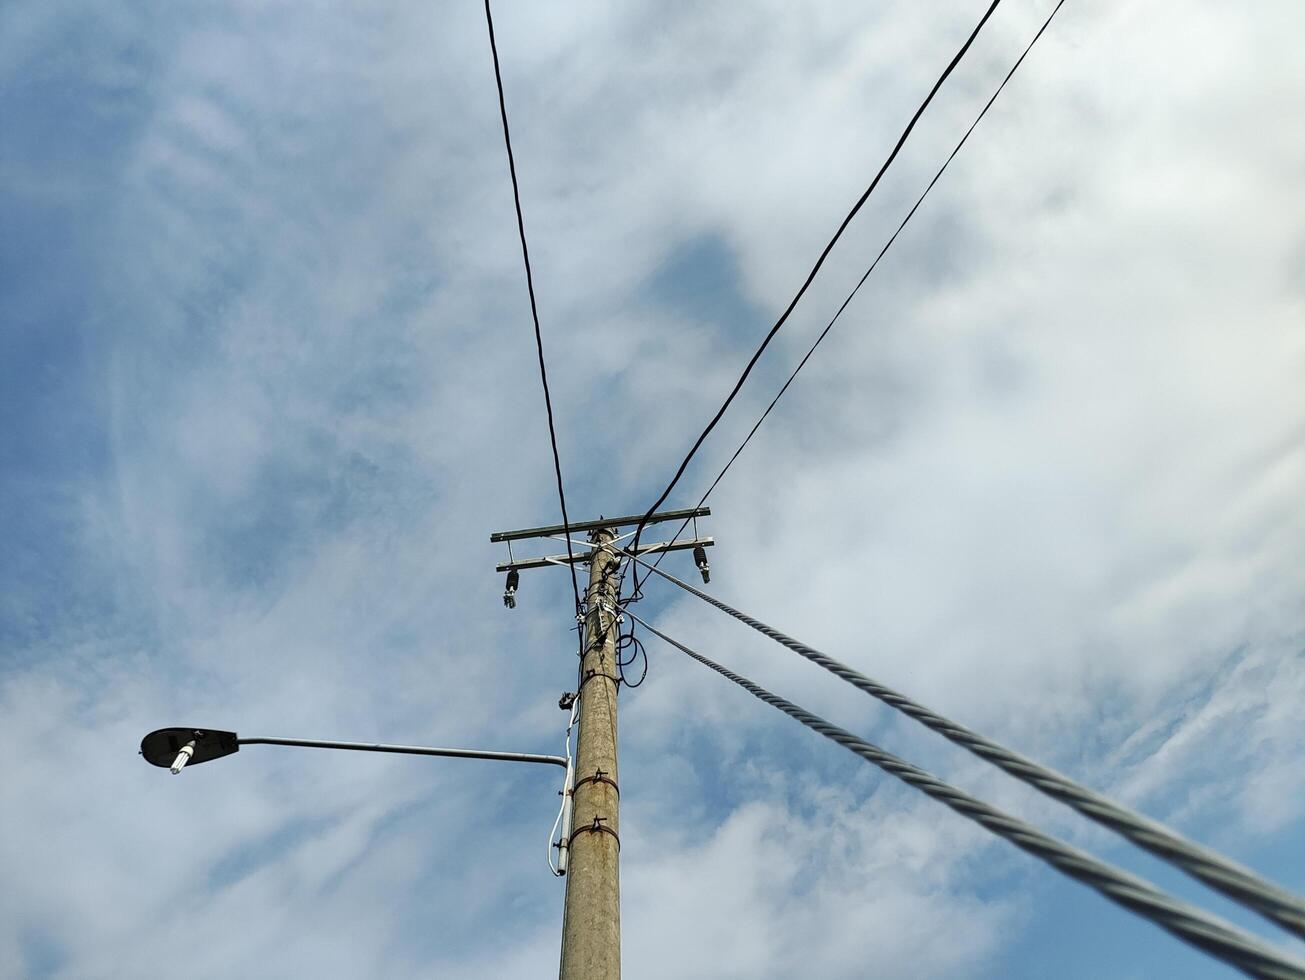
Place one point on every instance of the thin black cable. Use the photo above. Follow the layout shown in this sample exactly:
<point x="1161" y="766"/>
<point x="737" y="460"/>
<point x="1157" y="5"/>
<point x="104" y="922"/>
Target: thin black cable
<point x="815" y="269"/>
<point x="1224" y="875"/>
<point x="1194" y="926"/>
<point x="882" y="252"/>
<point x="843" y="306"/>
<point x="632" y="641"/>
<point x="638" y="583"/>
<point x="534" y="309"/>
<point x="641" y="655"/>
<point x="623" y="641"/>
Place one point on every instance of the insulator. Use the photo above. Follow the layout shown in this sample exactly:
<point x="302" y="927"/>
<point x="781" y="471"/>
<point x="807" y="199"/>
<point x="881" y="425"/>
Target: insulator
<point x="700" y="558"/>
<point x="510" y="593"/>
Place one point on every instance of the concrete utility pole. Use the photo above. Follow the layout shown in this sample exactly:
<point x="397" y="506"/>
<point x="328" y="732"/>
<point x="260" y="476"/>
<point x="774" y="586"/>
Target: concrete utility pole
<point x="591" y="845"/>
<point x="591" y="934"/>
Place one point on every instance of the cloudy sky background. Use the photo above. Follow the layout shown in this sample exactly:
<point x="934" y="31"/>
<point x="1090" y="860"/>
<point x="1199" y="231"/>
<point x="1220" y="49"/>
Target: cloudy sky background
<point x="268" y="384"/>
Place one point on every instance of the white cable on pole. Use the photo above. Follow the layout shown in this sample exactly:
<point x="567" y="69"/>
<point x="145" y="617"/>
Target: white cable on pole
<point x="563" y="820"/>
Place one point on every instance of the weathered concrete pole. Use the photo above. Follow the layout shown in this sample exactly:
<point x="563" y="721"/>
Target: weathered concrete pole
<point x="591" y="932"/>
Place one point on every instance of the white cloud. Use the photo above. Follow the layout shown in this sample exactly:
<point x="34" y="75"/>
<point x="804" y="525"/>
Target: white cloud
<point x="1043" y="477"/>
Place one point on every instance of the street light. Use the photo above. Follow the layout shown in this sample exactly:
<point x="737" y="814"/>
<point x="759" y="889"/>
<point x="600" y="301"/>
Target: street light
<point x="175" y="748"/>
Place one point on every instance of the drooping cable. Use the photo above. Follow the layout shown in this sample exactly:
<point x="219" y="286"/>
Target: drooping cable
<point x="857" y="288"/>
<point x="1218" y="872"/>
<point x="638" y="653"/>
<point x="816" y="268"/>
<point x="1206" y="932"/>
<point x="534" y="309"/>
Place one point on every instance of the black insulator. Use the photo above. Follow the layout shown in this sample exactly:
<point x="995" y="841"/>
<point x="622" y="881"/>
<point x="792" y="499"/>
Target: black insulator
<point x="700" y="558"/>
<point x="510" y="593"/>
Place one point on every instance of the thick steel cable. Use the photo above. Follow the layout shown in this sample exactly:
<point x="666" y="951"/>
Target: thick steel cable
<point x="873" y="265"/>
<point x="815" y="269"/>
<point x="1239" y="883"/>
<point x="534" y="309"/>
<point x="1206" y="932"/>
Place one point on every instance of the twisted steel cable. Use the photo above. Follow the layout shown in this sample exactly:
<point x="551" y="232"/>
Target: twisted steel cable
<point x="1206" y="932"/>
<point x="1239" y="883"/>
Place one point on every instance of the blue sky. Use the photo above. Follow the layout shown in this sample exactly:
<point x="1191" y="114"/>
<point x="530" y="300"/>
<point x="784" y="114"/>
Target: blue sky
<point x="268" y="381"/>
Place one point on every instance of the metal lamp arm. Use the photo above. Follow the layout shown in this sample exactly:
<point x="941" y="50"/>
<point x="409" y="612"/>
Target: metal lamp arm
<point x="310" y="743"/>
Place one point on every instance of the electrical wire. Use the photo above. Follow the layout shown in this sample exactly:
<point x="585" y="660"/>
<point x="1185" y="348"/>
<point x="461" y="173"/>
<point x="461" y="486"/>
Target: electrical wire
<point x="1194" y="926"/>
<point x="554" y="843"/>
<point x="534" y="309"/>
<point x="815" y="269"/>
<point x="1239" y="883"/>
<point x="623" y="641"/>
<point x="857" y="288"/>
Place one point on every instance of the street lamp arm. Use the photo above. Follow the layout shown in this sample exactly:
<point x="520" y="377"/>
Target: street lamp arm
<point x="310" y="743"/>
<point x="175" y="748"/>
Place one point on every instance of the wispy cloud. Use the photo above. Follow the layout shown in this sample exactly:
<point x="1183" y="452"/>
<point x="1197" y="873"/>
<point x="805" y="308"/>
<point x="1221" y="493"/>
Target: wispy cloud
<point x="268" y="386"/>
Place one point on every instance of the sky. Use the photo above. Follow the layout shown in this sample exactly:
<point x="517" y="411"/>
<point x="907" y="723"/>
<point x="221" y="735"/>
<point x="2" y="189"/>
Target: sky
<point x="268" y="383"/>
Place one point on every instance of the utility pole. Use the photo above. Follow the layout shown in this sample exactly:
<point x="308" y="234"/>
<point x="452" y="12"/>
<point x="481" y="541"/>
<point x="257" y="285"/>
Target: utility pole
<point x="591" y="931"/>
<point x="591" y="845"/>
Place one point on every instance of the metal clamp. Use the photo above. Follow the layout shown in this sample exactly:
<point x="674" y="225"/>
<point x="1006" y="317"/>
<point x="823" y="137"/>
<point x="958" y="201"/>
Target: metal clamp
<point x="590" y="675"/>
<point x="595" y="828"/>
<point x="598" y="777"/>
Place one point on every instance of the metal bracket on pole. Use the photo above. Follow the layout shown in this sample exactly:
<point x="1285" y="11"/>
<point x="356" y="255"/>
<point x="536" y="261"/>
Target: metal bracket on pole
<point x="596" y="827"/>
<point x="598" y="777"/>
<point x="590" y="675"/>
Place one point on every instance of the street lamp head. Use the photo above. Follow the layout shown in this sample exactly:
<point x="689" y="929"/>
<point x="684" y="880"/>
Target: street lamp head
<point x="174" y="748"/>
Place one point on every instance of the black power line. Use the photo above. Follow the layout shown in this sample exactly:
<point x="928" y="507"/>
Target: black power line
<point x="882" y="252"/>
<point x="534" y="309"/>
<point x="857" y="288"/>
<point x="815" y="269"/>
<point x="1220" y="939"/>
